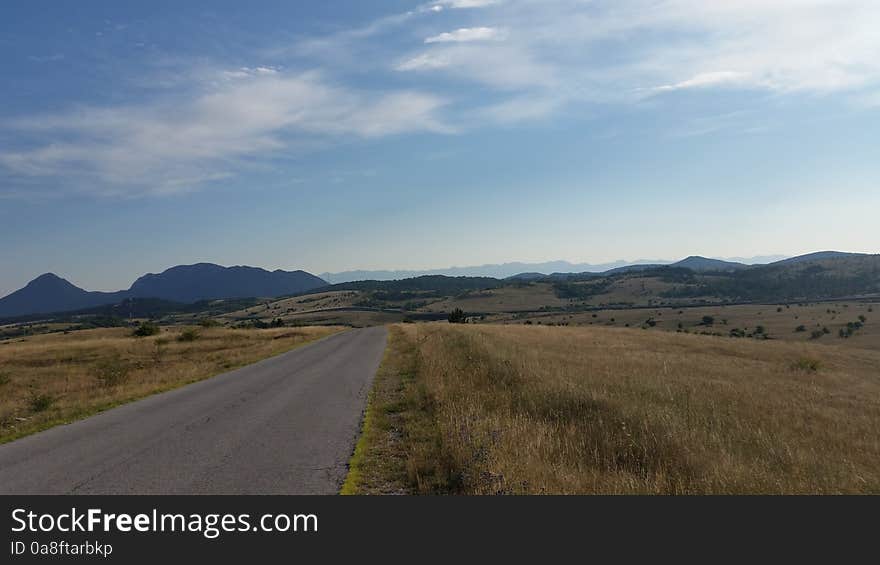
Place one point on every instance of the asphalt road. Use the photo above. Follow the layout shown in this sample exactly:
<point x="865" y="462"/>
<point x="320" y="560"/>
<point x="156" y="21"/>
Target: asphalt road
<point x="286" y="425"/>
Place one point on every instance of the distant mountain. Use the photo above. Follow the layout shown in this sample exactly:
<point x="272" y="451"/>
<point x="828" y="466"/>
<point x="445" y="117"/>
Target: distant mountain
<point x="818" y="256"/>
<point x="499" y="271"/>
<point x="190" y="283"/>
<point x="524" y="271"/>
<point x="527" y="277"/>
<point x="187" y="283"/>
<point x="51" y="293"/>
<point x="702" y="264"/>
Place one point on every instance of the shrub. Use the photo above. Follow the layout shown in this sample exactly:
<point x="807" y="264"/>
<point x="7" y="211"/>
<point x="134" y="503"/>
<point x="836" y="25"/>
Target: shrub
<point x="40" y="402"/>
<point x="708" y="320"/>
<point x="863" y="319"/>
<point x="817" y="334"/>
<point x="457" y="316"/>
<point x="4" y="379"/>
<point x="158" y="353"/>
<point x="209" y="323"/>
<point x="189" y="334"/>
<point x="800" y="329"/>
<point x="111" y="372"/>
<point x="146" y="329"/>
<point x="807" y="365"/>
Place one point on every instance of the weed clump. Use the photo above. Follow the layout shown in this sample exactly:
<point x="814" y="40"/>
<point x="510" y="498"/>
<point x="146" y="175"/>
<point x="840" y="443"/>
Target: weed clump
<point x="188" y="335"/>
<point x="146" y="329"/>
<point x="111" y="372"/>
<point x="807" y="365"/>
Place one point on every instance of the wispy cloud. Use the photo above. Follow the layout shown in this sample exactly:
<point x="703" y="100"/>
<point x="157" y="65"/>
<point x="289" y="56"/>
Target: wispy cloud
<point x="556" y="55"/>
<point x="170" y="146"/>
<point x="464" y="35"/>
<point x="460" y="4"/>
<point x="706" y="80"/>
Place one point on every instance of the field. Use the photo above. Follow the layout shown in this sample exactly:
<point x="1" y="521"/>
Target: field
<point x="56" y="378"/>
<point x="482" y="409"/>
<point x="792" y="322"/>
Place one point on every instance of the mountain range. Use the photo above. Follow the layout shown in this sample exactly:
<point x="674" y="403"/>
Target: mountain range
<point x="184" y="284"/>
<point x="187" y="284"/>
<point x="519" y="269"/>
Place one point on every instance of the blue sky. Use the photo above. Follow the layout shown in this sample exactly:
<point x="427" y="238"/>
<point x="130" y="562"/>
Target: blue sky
<point x="339" y="135"/>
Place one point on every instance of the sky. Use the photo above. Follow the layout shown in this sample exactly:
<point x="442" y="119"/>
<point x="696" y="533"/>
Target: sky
<point x="341" y="135"/>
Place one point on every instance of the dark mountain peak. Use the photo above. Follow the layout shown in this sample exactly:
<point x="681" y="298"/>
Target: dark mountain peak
<point x="699" y="263"/>
<point x="48" y="279"/>
<point x="205" y="281"/>
<point x="818" y="256"/>
<point x="182" y="283"/>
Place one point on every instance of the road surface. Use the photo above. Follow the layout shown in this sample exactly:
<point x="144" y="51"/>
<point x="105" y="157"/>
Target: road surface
<point x="285" y="425"/>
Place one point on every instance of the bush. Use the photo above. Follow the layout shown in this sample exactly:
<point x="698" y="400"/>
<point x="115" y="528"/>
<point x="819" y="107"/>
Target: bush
<point x="807" y="365"/>
<point x="4" y="379"/>
<point x="40" y="402"/>
<point x="146" y="329"/>
<point x="457" y="316"/>
<point x="188" y="335"/>
<point x="708" y="320"/>
<point x="817" y="334"/>
<point x="209" y="323"/>
<point x="800" y="329"/>
<point x="112" y="372"/>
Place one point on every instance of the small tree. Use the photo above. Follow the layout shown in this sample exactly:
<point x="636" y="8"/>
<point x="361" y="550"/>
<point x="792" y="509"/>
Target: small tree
<point x="146" y="329"/>
<point x="708" y="320"/>
<point x="189" y="334"/>
<point x="457" y="316"/>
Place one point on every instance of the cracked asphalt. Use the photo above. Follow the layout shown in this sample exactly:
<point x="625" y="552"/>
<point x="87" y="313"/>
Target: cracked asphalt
<point x="285" y="425"/>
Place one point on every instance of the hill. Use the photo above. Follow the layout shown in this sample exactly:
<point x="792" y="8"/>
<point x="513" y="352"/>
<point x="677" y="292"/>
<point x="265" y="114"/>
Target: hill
<point x="205" y="281"/>
<point x="51" y="293"/>
<point x="818" y="256"/>
<point x="703" y="264"/>
<point x="186" y="284"/>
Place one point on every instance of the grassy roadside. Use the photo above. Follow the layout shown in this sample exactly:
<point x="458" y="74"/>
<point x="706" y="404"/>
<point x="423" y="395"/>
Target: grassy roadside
<point x="56" y="379"/>
<point x="534" y="410"/>
<point x="378" y="465"/>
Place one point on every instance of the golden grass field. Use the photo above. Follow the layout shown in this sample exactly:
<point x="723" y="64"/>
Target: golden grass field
<point x="52" y="379"/>
<point x="780" y="322"/>
<point x="481" y="409"/>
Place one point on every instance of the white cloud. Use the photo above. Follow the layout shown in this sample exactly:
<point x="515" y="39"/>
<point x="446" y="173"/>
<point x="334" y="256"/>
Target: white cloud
<point x="620" y="51"/>
<point x="173" y="146"/>
<point x="462" y="4"/>
<point x="246" y="72"/>
<point x="705" y="80"/>
<point x="465" y="34"/>
<point x="424" y="61"/>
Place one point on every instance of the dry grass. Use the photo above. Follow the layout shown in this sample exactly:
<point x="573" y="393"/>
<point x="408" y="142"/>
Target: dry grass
<point x="780" y="322"/>
<point x="379" y="464"/>
<point x="513" y="409"/>
<point x="53" y="379"/>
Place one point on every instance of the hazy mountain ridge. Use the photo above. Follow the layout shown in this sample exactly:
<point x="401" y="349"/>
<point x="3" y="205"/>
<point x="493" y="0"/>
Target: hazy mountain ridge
<point x="518" y="269"/>
<point x="50" y="293"/>
<point x="814" y="275"/>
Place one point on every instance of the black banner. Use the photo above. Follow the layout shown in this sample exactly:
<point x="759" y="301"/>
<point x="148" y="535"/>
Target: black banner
<point x="406" y="529"/>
